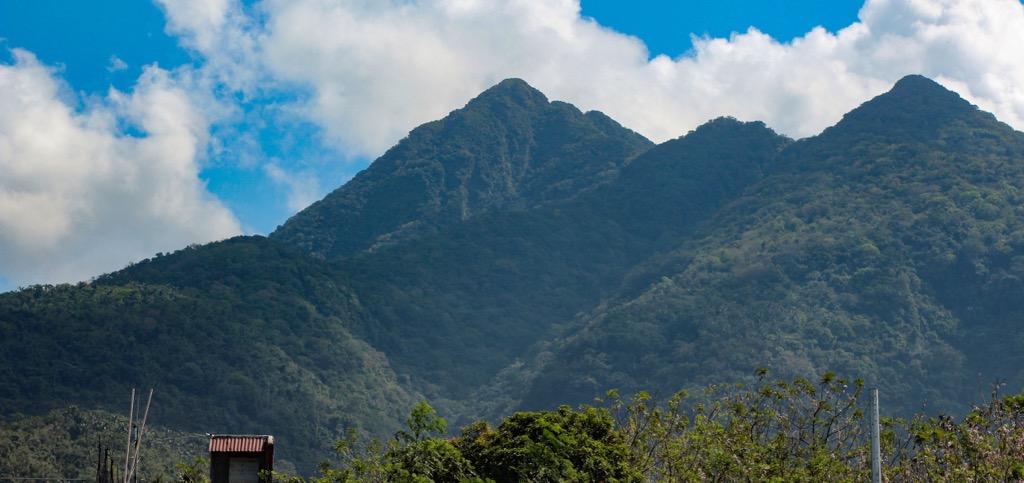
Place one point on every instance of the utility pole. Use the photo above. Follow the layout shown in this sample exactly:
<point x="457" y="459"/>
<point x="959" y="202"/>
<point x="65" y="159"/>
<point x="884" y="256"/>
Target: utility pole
<point x="128" y="445"/>
<point x="131" y="461"/>
<point x="876" y="444"/>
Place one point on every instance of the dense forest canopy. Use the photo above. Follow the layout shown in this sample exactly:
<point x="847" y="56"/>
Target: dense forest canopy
<point x="520" y="255"/>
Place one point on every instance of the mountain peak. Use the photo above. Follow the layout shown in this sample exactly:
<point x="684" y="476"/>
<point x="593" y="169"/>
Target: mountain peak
<point x="508" y="149"/>
<point x="917" y="83"/>
<point x="512" y="84"/>
<point x="509" y="92"/>
<point x="928" y="96"/>
<point x="916" y="106"/>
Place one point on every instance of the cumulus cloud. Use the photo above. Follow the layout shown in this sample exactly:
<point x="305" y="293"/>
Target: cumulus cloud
<point x="75" y="190"/>
<point x="225" y="33"/>
<point x="302" y="188"/>
<point x="373" y="70"/>
<point x="116" y="64"/>
<point x="77" y="196"/>
<point x="972" y="47"/>
<point x="376" y="69"/>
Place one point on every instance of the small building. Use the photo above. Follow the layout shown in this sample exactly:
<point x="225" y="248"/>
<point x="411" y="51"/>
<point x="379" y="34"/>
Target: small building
<point x="240" y="458"/>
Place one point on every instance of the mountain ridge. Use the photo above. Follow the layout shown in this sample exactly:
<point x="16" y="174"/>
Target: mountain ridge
<point x="507" y="149"/>
<point x="864" y="227"/>
<point x="521" y="254"/>
<point x="583" y="246"/>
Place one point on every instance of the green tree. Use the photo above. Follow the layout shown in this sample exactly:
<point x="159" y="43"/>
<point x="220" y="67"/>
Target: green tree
<point x="786" y="431"/>
<point x="417" y="454"/>
<point x="421" y="454"/>
<point x="987" y="445"/>
<point x="772" y="431"/>
<point x="198" y="471"/>
<point x="563" y="445"/>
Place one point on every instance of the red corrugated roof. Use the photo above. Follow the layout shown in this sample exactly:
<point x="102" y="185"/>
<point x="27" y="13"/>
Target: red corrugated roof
<point x="239" y="444"/>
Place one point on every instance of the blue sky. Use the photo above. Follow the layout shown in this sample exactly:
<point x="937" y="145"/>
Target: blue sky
<point x="92" y="33"/>
<point x="106" y="43"/>
<point x="84" y="37"/>
<point x="666" y="26"/>
<point x="130" y="127"/>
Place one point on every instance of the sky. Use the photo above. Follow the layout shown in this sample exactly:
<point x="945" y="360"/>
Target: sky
<point x="134" y="127"/>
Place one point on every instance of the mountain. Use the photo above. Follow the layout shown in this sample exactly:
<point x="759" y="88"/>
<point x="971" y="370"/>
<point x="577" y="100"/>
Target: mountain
<point x="509" y="149"/>
<point x="480" y="294"/>
<point x="520" y="254"/>
<point x="887" y="248"/>
<point x="251" y="335"/>
<point x="239" y="336"/>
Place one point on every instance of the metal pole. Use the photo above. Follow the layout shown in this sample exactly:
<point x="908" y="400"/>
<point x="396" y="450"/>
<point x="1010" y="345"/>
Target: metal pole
<point x="99" y="461"/>
<point x="138" y="439"/>
<point x="876" y="444"/>
<point x="128" y="446"/>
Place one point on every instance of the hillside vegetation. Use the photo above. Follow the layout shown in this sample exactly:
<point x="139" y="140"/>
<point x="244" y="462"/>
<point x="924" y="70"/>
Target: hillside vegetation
<point x="507" y="150"/>
<point x="70" y="443"/>
<point x="886" y="247"/>
<point x="772" y="430"/>
<point x="519" y="255"/>
<point x="241" y="336"/>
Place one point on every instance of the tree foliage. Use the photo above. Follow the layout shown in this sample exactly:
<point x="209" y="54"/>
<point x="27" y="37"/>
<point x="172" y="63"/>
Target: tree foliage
<point x="563" y="445"/>
<point x="774" y="430"/>
<point x="520" y="255"/>
<point x="889" y="246"/>
<point x="69" y="443"/>
<point x="509" y="149"/>
<point x="241" y="336"/>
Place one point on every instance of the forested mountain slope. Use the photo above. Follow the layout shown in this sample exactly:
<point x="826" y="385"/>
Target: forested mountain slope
<point x="241" y="336"/>
<point x="453" y="309"/>
<point x="508" y="149"/>
<point x="521" y="254"/>
<point x="252" y="336"/>
<point x="889" y="248"/>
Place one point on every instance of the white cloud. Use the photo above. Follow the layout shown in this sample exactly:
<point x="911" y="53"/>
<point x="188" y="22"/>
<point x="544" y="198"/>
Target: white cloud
<point x="77" y="197"/>
<point x="225" y="33"/>
<point x="116" y="64"/>
<point x="200" y="21"/>
<point x="378" y="70"/>
<point x="375" y="69"/>
<point x="302" y="188"/>
<point x="971" y="46"/>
